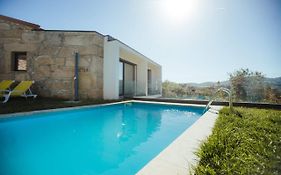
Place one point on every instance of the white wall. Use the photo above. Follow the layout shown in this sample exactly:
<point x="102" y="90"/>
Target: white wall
<point x="141" y="70"/>
<point x="111" y="70"/>
<point x="156" y="78"/>
<point x="113" y="51"/>
<point x="142" y="79"/>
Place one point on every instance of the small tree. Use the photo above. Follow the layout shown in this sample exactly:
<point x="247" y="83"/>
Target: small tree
<point x="272" y="95"/>
<point x="169" y="89"/>
<point x="238" y="80"/>
<point x="247" y="85"/>
<point x="255" y="87"/>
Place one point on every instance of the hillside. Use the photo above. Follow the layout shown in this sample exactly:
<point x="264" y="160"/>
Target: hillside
<point x="273" y="82"/>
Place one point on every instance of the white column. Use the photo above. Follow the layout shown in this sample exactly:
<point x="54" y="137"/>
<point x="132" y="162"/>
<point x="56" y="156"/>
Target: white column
<point x="111" y="70"/>
<point x="160" y="79"/>
<point x="142" y="78"/>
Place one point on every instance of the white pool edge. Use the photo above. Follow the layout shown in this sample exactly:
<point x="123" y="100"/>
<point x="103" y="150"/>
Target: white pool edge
<point x="178" y="158"/>
<point x="9" y="115"/>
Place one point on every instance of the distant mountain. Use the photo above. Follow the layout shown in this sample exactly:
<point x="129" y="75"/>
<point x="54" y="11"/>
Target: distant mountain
<point x="208" y="84"/>
<point x="273" y="82"/>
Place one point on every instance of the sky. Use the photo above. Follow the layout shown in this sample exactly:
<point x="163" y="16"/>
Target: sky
<point x="193" y="40"/>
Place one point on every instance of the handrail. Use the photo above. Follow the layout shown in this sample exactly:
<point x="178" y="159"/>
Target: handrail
<point x="229" y="93"/>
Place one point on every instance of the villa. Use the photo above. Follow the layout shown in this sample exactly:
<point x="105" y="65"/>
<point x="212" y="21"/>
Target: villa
<point x="106" y="67"/>
<point x="142" y="136"/>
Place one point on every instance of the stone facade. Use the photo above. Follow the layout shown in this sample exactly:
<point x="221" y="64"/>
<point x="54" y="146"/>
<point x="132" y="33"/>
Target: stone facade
<point x="50" y="59"/>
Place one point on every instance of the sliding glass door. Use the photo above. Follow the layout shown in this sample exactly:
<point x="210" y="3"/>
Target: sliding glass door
<point x="127" y="79"/>
<point x="121" y="79"/>
<point x="149" y="82"/>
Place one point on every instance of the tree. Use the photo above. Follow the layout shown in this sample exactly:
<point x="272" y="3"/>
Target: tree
<point x="168" y="89"/>
<point x="247" y="85"/>
<point x="238" y="80"/>
<point x="272" y="95"/>
<point x="255" y="87"/>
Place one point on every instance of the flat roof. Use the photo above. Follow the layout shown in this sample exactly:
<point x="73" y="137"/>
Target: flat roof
<point x="110" y="38"/>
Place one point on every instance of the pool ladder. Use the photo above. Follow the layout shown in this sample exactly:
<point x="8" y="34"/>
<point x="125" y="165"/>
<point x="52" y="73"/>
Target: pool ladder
<point x="227" y="91"/>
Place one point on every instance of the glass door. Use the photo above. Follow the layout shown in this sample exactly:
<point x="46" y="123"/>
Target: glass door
<point x="127" y="79"/>
<point x="121" y="78"/>
<point x="149" y="88"/>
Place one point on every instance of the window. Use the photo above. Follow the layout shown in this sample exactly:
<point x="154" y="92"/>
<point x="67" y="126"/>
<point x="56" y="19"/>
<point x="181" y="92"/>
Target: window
<point x="19" y="61"/>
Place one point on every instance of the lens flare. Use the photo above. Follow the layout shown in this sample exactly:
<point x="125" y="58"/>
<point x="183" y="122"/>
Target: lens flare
<point x="179" y="11"/>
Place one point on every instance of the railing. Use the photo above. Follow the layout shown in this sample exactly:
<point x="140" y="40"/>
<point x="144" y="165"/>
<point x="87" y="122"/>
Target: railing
<point x="129" y="88"/>
<point x="227" y="91"/>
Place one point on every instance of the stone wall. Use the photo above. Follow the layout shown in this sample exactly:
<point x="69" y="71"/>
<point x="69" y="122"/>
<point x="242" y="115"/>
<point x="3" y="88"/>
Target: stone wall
<point x="50" y="60"/>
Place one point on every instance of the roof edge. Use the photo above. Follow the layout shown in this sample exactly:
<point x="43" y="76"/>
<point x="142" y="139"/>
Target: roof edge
<point x="78" y="31"/>
<point x="18" y="21"/>
<point x="110" y="38"/>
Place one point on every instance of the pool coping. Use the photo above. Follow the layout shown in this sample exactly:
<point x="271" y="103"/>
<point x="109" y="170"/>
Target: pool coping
<point x="9" y="115"/>
<point x="178" y="157"/>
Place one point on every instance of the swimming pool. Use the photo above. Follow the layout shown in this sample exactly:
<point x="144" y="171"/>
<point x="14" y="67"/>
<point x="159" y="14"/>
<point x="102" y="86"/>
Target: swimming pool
<point x="112" y="139"/>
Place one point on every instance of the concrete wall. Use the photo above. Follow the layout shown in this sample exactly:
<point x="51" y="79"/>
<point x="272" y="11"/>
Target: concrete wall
<point x="50" y="60"/>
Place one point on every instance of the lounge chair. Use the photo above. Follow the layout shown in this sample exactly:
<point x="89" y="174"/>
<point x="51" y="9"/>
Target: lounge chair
<point x="5" y="86"/>
<point x="21" y="90"/>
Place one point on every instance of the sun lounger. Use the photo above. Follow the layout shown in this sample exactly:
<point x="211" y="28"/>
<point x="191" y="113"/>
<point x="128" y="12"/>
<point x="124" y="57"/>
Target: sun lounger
<point x="5" y="86"/>
<point x="21" y="90"/>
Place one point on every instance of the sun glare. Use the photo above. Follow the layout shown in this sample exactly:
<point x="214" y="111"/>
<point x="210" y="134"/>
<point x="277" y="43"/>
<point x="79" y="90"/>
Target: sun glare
<point x="179" y="11"/>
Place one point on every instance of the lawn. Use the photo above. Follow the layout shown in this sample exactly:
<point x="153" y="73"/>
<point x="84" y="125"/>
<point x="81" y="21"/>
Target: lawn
<point x="24" y="105"/>
<point x="250" y="144"/>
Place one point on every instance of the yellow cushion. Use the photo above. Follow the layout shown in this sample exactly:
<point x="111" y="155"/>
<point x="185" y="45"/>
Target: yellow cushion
<point x="21" y="88"/>
<point x="5" y="84"/>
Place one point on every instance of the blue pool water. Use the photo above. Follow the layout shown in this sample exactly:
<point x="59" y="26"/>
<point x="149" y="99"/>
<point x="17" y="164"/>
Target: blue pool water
<point x="116" y="139"/>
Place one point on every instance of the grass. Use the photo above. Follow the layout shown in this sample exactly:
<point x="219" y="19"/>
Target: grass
<point x="25" y="105"/>
<point x="247" y="145"/>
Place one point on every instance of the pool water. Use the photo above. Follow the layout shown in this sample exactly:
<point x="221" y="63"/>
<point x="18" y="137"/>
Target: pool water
<point x="115" y="139"/>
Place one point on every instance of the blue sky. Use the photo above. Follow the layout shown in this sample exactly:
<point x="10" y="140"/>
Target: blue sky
<point x="193" y="40"/>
